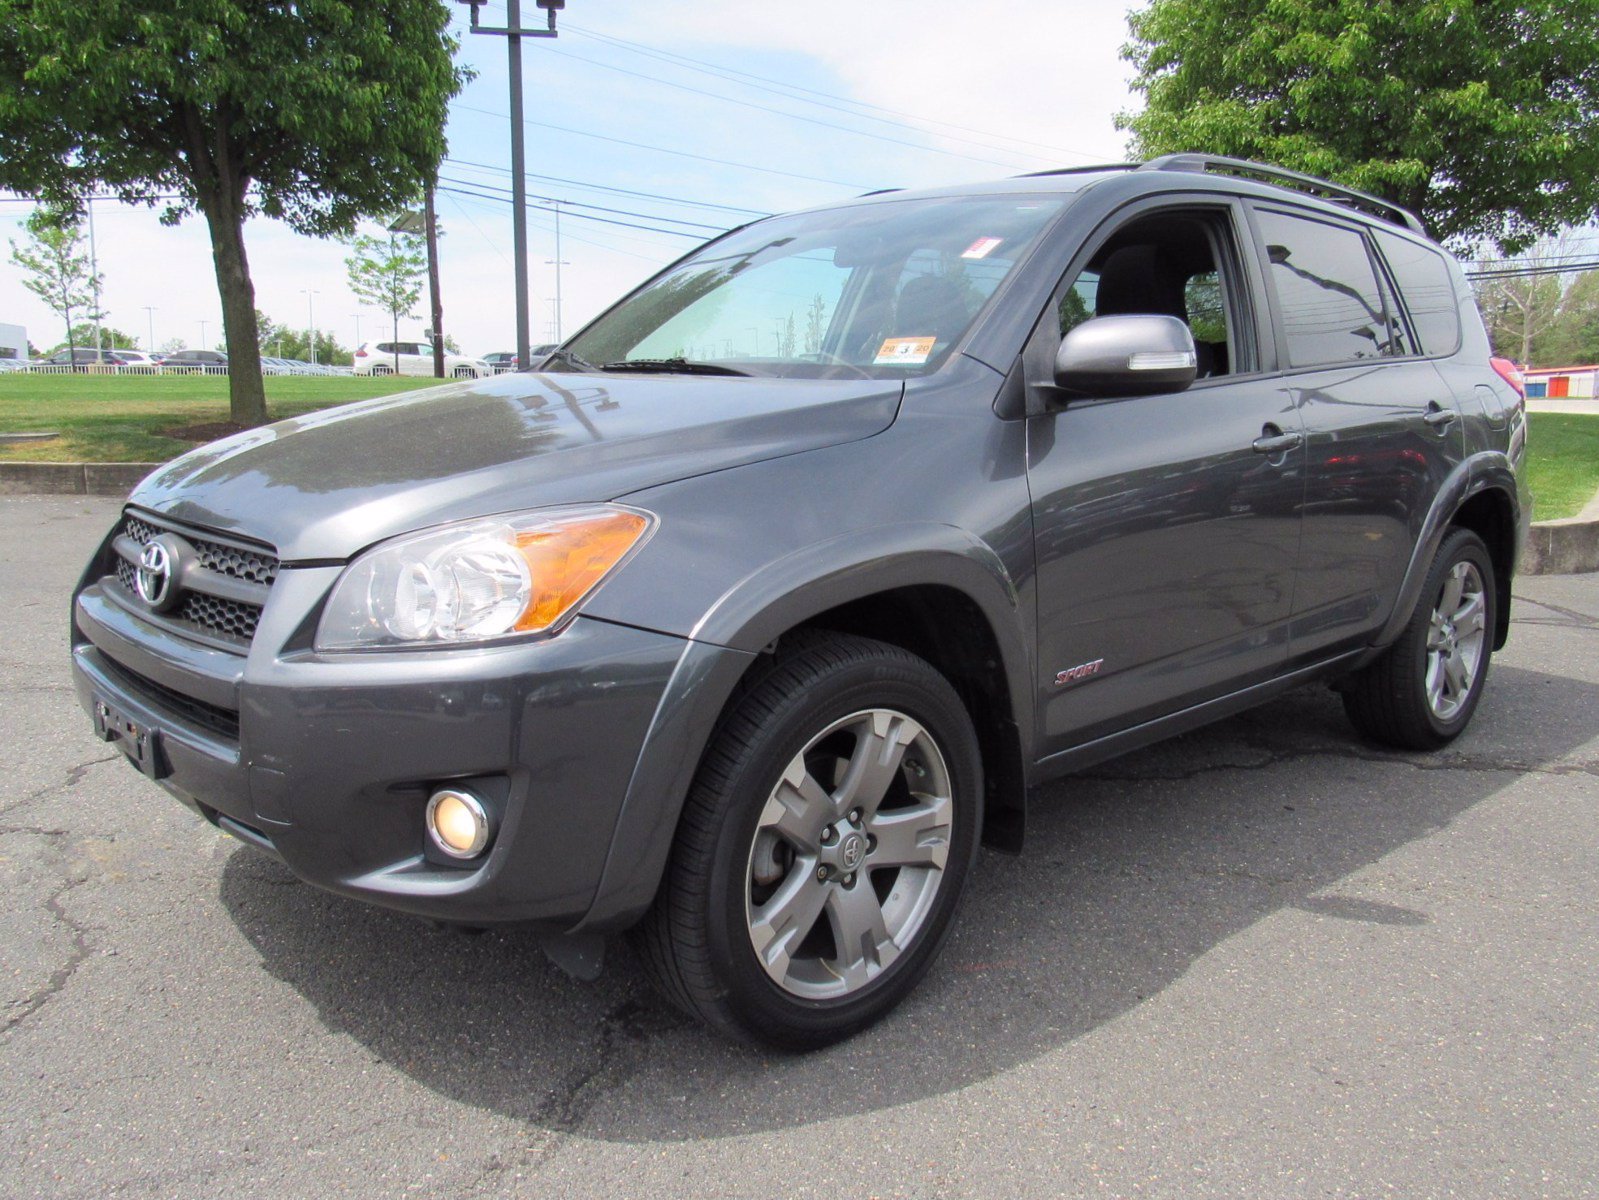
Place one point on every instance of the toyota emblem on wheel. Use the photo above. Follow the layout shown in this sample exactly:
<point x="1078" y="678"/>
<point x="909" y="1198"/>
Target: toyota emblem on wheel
<point x="153" y="579"/>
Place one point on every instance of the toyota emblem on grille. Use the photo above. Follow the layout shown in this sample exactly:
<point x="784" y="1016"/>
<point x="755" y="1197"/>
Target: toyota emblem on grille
<point x="153" y="578"/>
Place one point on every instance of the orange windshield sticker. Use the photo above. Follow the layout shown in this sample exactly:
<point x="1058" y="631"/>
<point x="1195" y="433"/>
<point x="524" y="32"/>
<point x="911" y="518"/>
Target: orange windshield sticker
<point x="904" y="352"/>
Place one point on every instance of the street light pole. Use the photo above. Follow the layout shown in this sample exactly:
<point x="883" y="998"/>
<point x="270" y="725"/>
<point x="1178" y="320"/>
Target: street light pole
<point x="94" y="276"/>
<point x="149" y="312"/>
<point x="357" y="317"/>
<point x="310" y="317"/>
<point x="558" y="263"/>
<point x="202" y="335"/>
<point x="513" y="32"/>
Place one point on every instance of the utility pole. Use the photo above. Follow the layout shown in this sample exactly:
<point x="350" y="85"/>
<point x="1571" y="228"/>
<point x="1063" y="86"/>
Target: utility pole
<point x="558" y="263"/>
<point x="202" y="335"/>
<point x="513" y="32"/>
<point x="149" y="312"/>
<point x="357" y="317"/>
<point x="435" y="302"/>
<point x="310" y="317"/>
<point x="94" y="275"/>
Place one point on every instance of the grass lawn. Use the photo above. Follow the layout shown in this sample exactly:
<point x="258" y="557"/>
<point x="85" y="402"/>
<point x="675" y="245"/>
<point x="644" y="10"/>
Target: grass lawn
<point x="118" y="418"/>
<point x="111" y="418"/>
<point x="1563" y="463"/>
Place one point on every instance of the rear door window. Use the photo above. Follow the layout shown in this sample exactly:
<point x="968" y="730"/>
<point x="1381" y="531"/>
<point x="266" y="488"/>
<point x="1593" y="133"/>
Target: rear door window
<point x="1328" y="300"/>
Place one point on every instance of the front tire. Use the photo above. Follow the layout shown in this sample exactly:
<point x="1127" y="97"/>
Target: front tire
<point x="823" y="849"/>
<point x="1421" y="693"/>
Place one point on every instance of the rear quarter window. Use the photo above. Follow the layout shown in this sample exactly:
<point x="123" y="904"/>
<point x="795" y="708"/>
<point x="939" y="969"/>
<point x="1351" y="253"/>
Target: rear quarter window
<point x="1427" y="291"/>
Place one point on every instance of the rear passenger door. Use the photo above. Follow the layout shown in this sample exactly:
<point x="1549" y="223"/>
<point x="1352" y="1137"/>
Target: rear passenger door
<point x="1381" y="425"/>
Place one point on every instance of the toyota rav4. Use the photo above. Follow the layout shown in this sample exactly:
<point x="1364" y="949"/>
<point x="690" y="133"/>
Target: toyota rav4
<point x="745" y="617"/>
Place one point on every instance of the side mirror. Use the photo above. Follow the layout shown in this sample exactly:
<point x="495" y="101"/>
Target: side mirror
<point x="1135" y="355"/>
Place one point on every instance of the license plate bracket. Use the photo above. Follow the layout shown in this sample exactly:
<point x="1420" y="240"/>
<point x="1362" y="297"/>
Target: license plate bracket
<point x="139" y="742"/>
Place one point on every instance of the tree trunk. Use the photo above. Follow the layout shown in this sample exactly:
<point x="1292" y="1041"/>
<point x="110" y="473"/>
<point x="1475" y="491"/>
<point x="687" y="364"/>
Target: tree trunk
<point x="246" y="391"/>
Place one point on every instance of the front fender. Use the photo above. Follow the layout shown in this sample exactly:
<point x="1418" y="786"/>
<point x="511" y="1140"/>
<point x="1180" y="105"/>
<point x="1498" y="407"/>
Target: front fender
<point x="746" y="618"/>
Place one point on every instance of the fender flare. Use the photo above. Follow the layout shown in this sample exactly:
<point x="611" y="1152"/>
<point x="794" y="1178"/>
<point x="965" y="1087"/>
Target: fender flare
<point x="747" y="618"/>
<point x="1485" y="471"/>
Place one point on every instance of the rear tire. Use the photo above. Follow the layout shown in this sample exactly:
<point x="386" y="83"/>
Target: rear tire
<point x="1421" y="693"/>
<point x="823" y="849"/>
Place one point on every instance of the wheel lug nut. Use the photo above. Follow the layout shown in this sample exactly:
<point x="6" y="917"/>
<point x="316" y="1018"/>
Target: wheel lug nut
<point x="849" y="880"/>
<point x="871" y="843"/>
<point x="821" y="874"/>
<point x="828" y="835"/>
<point x="854" y="816"/>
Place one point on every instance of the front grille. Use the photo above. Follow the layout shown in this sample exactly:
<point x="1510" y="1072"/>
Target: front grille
<point x="212" y="717"/>
<point x="232" y="618"/>
<point x="226" y="620"/>
<point x="235" y="561"/>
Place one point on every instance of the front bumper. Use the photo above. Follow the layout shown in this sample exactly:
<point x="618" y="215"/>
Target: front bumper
<point x="327" y="760"/>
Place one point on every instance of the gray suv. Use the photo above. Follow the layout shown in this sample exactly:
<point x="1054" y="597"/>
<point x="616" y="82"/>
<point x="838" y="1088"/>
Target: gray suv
<point x="748" y="614"/>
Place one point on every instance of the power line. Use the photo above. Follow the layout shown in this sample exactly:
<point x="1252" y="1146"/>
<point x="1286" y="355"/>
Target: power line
<point x="602" y="187"/>
<point x="881" y="137"/>
<point x="1532" y="271"/>
<point x="584" y="216"/>
<point x="624" y="212"/>
<point x="767" y="84"/>
<point x="655" y="260"/>
<point x="723" y="162"/>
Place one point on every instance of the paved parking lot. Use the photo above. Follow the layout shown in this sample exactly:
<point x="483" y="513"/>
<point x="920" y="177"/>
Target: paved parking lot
<point x="1263" y="960"/>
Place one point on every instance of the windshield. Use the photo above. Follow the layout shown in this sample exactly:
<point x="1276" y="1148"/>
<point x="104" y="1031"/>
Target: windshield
<point x="880" y="290"/>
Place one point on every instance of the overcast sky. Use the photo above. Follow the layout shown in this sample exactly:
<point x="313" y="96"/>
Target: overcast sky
<point x="960" y="92"/>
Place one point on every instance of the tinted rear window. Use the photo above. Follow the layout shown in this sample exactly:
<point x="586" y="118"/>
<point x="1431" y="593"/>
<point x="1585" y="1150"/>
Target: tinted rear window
<point x="1427" y="290"/>
<point x="1327" y="295"/>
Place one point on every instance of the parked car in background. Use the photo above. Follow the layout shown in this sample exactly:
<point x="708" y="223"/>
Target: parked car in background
<point x="197" y="362"/>
<point x="138" y="362"/>
<point x="414" y="358"/>
<point x="81" y="359"/>
<point x="501" y="361"/>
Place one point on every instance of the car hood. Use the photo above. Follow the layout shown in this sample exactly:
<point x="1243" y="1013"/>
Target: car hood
<point x="326" y="485"/>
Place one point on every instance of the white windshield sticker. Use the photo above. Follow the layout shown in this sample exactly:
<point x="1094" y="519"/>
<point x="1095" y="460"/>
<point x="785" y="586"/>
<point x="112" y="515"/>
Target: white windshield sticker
<point x="904" y="352"/>
<point x="981" y="248"/>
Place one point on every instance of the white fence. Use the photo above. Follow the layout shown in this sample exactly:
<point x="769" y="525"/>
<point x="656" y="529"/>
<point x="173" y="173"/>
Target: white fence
<point x="12" y="366"/>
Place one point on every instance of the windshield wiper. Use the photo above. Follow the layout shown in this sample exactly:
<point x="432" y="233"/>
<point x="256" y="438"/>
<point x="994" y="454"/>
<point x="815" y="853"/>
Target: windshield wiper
<point x="571" y="360"/>
<point x="672" y="366"/>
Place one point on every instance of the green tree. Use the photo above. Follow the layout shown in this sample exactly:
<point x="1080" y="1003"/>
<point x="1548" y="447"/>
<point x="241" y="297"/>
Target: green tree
<point x="1480" y="115"/>
<point x="1575" y="338"/>
<point x="314" y="112"/>
<point x="387" y="273"/>
<point x="110" y="339"/>
<point x="281" y="341"/>
<point x="55" y="270"/>
<point x="1535" y="318"/>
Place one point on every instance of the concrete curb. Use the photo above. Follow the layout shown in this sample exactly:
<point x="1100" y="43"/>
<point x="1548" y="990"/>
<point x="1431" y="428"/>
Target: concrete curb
<point x="71" y="479"/>
<point x="1569" y="546"/>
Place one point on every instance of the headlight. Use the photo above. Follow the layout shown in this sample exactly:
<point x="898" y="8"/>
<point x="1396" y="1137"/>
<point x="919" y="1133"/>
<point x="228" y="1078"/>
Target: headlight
<point x="479" y="580"/>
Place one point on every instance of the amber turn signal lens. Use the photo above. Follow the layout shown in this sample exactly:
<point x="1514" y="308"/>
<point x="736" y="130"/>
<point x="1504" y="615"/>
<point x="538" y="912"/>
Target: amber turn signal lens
<point x="567" y="561"/>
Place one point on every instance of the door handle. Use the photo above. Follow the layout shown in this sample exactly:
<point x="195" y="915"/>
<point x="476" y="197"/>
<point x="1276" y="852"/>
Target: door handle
<point x="1439" y="417"/>
<point x="1274" y="441"/>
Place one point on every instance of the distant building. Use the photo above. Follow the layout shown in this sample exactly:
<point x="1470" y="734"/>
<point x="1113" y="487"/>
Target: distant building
<point x="1555" y="383"/>
<point x="13" y="341"/>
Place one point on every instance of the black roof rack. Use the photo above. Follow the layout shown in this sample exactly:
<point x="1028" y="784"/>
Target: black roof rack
<point x="1337" y="193"/>
<point x="879" y="192"/>
<point x="1121" y="166"/>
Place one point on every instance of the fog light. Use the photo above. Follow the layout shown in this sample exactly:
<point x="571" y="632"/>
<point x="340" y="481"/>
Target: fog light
<point x="458" y="823"/>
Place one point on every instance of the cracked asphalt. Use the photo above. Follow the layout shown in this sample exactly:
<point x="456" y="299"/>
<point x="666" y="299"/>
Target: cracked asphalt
<point x="1260" y="960"/>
